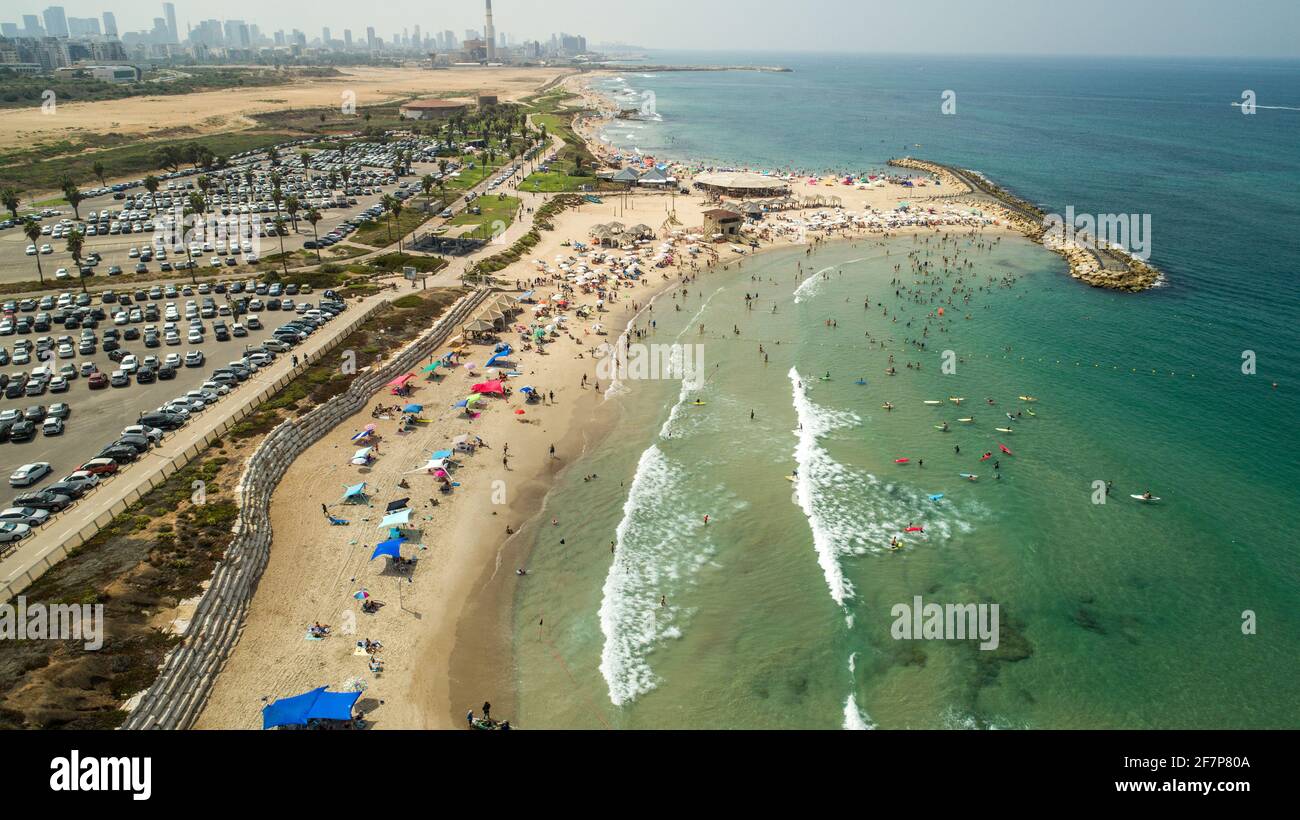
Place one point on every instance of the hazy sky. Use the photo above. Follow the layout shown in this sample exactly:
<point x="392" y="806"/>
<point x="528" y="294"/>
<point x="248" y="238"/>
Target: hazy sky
<point x="1264" y="28"/>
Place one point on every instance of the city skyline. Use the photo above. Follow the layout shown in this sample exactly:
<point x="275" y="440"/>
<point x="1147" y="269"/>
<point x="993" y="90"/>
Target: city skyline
<point x="1250" y="28"/>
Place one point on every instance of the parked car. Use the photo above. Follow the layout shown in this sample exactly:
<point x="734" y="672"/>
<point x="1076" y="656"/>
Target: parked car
<point x="29" y="474"/>
<point x="11" y="531"/>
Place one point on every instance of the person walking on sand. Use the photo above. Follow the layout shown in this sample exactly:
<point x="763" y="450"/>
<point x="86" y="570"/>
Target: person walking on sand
<point x="552" y="451"/>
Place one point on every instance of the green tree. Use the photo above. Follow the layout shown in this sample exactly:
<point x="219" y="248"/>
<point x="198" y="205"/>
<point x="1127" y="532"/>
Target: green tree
<point x="32" y="229"/>
<point x="75" y="244"/>
<point x="73" y="196"/>
<point x="292" y="205"/>
<point x="313" y="216"/>
<point x="9" y="197"/>
<point x="98" y="168"/>
<point x="151" y="184"/>
<point x="279" y="231"/>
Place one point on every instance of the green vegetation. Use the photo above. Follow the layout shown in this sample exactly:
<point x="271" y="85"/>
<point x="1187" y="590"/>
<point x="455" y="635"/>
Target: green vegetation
<point x="573" y="166"/>
<point x="385" y="230"/>
<point x="542" y="222"/>
<point x="495" y="212"/>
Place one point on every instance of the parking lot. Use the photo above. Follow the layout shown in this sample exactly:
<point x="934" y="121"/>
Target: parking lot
<point x="128" y="229"/>
<point x="96" y="417"/>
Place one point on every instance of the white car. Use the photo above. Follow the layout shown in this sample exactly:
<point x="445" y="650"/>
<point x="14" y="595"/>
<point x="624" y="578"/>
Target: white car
<point x="195" y="337"/>
<point x="152" y="433"/>
<point x="82" y="478"/>
<point x="31" y="250"/>
<point x="129" y="365"/>
<point x="30" y="516"/>
<point x="13" y="531"/>
<point x="216" y="387"/>
<point x="29" y="474"/>
<point x="47" y="249"/>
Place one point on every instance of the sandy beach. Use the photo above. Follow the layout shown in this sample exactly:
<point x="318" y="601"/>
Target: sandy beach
<point x="446" y="628"/>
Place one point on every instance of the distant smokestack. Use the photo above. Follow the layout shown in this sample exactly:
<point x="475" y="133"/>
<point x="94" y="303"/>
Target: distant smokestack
<point x="490" y="33"/>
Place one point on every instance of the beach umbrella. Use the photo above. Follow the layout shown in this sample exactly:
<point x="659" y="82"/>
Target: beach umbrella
<point x="519" y="412"/>
<point x="361" y="595"/>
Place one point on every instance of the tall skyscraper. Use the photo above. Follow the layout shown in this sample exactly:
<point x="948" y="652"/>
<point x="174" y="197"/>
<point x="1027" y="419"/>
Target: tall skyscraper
<point x="347" y="39"/>
<point x="325" y="36"/>
<point x="169" y="13"/>
<point x="371" y="42"/>
<point x="490" y="33"/>
<point x="32" y="26"/>
<point x="56" y="22"/>
<point x="110" y="24"/>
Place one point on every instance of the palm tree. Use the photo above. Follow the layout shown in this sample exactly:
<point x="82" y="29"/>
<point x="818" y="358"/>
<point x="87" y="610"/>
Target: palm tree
<point x="313" y="216"/>
<point x="73" y="196"/>
<point x="33" y="231"/>
<point x="388" y="201"/>
<point x="279" y="231"/>
<point x="427" y="182"/>
<point x="75" y="243"/>
<point x="397" y="215"/>
<point x="10" y="199"/>
<point x="292" y="205"/>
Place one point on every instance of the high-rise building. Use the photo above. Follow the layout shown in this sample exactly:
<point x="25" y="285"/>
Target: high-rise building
<point x="325" y="36"/>
<point x="110" y="24"/>
<point x="237" y="34"/>
<point x="32" y="26"/>
<point x="169" y="12"/>
<point x="490" y="33"/>
<point x="371" y="42"/>
<point x="83" y="27"/>
<point x="415" y="37"/>
<point x="9" y="30"/>
<point x="56" y="22"/>
<point x="347" y="39"/>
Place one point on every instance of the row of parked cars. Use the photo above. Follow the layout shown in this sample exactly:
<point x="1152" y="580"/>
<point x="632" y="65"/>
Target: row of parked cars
<point x="35" y="507"/>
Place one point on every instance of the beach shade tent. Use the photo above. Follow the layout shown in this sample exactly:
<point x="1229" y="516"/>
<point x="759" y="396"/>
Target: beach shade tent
<point x="392" y="546"/>
<point x="366" y="433"/>
<point x="401" y="381"/>
<point x="396" y="519"/>
<point x="626" y="175"/>
<point x="489" y="388"/>
<point x="399" y="504"/>
<point x="432" y="367"/>
<point x="413" y="408"/>
<point x="355" y="493"/>
<point x="314" y="705"/>
<point x="479" y="326"/>
<point x="435" y="464"/>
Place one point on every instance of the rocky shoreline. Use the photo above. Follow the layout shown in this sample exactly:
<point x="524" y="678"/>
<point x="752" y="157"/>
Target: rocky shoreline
<point x="1091" y="263"/>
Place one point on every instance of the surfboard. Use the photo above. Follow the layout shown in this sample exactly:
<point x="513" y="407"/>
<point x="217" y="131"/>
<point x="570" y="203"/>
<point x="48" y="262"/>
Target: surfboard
<point x="969" y="476"/>
<point x="933" y="403"/>
<point x="1153" y="499"/>
<point x="955" y="400"/>
<point x="902" y="460"/>
<point x="1005" y="449"/>
<point x="967" y="421"/>
<point x="887" y="406"/>
<point x="699" y="403"/>
<point x="1028" y="398"/>
<point x="792" y="478"/>
<point x="936" y="497"/>
<point x="860" y="382"/>
<point x="915" y="529"/>
<point x="1004" y="429"/>
<point x="943" y="429"/>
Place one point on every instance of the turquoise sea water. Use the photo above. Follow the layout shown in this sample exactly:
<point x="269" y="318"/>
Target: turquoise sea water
<point x="778" y="612"/>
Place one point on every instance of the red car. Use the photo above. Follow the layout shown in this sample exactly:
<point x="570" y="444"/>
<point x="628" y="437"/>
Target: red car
<point x="100" y="466"/>
<point x="98" y="381"/>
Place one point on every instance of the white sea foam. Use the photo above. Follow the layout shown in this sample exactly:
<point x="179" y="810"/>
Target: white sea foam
<point x="852" y="512"/>
<point x="854" y="718"/>
<point x="660" y="544"/>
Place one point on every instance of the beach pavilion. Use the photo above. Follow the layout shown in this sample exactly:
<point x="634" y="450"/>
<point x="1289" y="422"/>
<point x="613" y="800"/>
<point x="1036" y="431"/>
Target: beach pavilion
<point x="741" y="185"/>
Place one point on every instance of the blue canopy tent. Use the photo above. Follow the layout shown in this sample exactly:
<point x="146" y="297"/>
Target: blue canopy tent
<point x="314" y="705"/>
<point x="413" y="408"/>
<point x="356" y="493"/>
<point x="442" y="454"/>
<point x="392" y="546"/>
<point x="503" y="354"/>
